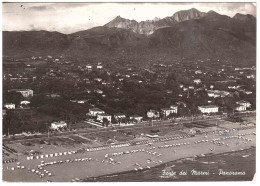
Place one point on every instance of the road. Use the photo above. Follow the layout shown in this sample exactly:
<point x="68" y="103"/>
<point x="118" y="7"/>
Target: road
<point x="82" y="129"/>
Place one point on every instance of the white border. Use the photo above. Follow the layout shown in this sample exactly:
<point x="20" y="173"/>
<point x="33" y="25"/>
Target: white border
<point x="152" y="183"/>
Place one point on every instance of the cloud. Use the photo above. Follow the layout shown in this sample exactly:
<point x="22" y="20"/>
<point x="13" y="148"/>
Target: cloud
<point x="71" y="17"/>
<point x="40" y="8"/>
<point x="69" y="5"/>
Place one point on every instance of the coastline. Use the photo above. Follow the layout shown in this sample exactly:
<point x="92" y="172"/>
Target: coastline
<point x="96" y="170"/>
<point x="163" y="165"/>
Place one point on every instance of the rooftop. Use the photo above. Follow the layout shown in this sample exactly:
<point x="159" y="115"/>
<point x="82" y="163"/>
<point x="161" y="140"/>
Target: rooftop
<point x="104" y="114"/>
<point x="19" y="90"/>
<point x="208" y="106"/>
<point x="136" y="116"/>
<point x="96" y="109"/>
<point x="167" y="109"/>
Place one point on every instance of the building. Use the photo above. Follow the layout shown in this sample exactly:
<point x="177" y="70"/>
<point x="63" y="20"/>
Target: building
<point x="208" y="109"/>
<point x="218" y="93"/>
<point x="25" y="92"/>
<point x="98" y="91"/>
<point x="98" y="79"/>
<point x="58" y="125"/>
<point x="25" y="102"/>
<point x="250" y="76"/>
<point x="89" y="66"/>
<point x="99" y="66"/>
<point x="136" y="117"/>
<point x="95" y="111"/>
<point x="180" y="103"/>
<point x="240" y="108"/>
<point x="244" y="103"/>
<point x="9" y="105"/>
<point x="153" y="114"/>
<point x="168" y="111"/>
<point x="175" y="108"/>
<point x="101" y="117"/>
<point x="197" y="81"/>
<point x="119" y="116"/>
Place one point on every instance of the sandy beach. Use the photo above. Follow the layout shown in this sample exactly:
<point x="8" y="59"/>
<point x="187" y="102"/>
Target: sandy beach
<point x="143" y="156"/>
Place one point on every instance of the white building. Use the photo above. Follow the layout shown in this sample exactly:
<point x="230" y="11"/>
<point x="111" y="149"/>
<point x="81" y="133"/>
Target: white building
<point x="25" y="92"/>
<point x="101" y="117"/>
<point x="168" y="111"/>
<point x="98" y="91"/>
<point x="9" y="105"/>
<point x="240" y="108"/>
<point x="244" y="103"/>
<point x="58" y="125"/>
<point x="208" y="109"/>
<point x="175" y="108"/>
<point x="25" y="102"/>
<point x="153" y="114"/>
<point x="95" y="111"/>
<point x="89" y="66"/>
<point x="218" y="93"/>
<point x="98" y="79"/>
<point x="197" y="81"/>
<point x="136" y="117"/>
<point x="119" y="116"/>
<point x="198" y="72"/>
<point x="99" y="66"/>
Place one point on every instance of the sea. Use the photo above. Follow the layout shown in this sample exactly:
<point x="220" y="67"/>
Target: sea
<point x="232" y="166"/>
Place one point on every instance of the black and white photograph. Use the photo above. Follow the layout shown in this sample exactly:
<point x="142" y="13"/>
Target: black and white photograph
<point x="129" y="91"/>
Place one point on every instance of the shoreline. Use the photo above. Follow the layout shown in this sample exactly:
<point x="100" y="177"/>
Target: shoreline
<point x="203" y="147"/>
<point x="95" y="179"/>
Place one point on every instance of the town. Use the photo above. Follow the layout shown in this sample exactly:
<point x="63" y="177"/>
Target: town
<point x="122" y="113"/>
<point x="43" y="93"/>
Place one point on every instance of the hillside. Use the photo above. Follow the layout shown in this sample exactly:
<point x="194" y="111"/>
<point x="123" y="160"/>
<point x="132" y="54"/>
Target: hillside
<point x="191" y="34"/>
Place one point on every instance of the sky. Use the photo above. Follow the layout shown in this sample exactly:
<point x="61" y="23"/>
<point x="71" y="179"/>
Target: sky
<point x="72" y="17"/>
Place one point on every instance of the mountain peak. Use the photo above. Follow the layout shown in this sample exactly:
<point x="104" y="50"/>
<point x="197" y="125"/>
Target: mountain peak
<point x="212" y="12"/>
<point x="185" y="15"/>
<point x="245" y="17"/>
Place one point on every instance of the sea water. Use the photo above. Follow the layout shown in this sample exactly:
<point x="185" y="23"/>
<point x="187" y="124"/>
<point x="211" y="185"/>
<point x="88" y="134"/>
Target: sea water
<point x="233" y="166"/>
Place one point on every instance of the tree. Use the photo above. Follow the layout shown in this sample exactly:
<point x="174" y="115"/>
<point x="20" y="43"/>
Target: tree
<point x="13" y="97"/>
<point x="105" y="122"/>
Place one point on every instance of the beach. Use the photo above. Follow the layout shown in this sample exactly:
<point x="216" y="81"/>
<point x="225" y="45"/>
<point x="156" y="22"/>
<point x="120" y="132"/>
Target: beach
<point x="134" y="157"/>
<point x="212" y="163"/>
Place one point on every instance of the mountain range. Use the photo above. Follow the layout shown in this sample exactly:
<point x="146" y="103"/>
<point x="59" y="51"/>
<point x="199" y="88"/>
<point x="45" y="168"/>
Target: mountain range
<point x="148" y="27"/>
<point x="186" y="33"/>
